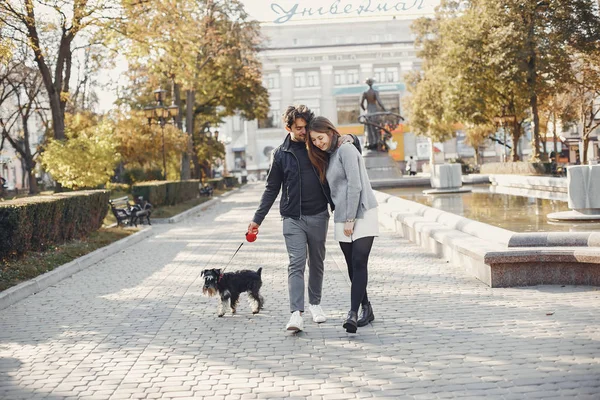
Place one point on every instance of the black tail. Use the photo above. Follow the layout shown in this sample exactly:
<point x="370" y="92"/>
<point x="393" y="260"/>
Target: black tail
<point x="259" y="271"/>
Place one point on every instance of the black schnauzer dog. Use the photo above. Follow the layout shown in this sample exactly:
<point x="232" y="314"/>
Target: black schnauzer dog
<point x="230" y="285"/>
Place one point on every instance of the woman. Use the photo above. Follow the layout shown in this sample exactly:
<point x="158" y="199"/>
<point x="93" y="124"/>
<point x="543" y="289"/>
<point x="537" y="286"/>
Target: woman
<point x="355" y="215"/>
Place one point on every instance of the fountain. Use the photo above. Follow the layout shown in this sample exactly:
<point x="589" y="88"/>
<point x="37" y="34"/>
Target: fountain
<point x="446" y="178"/>
<point x="583" y="193"/>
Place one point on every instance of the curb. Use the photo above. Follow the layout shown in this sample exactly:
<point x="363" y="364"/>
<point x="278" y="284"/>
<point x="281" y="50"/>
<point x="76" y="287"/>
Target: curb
<point x="200" y="207"/>
<point x="25" y="289"/>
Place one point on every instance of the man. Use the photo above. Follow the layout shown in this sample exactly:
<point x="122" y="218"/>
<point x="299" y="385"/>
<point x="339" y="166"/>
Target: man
<point x="303" y="206"/>
<point x="412" y="166"/>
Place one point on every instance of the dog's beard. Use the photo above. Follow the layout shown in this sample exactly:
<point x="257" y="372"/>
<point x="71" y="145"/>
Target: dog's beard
<point x="209" y="291"/>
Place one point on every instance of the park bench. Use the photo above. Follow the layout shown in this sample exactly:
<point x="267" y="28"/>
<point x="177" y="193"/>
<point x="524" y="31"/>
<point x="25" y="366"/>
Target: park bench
<point x="206" y="190"/>
<point x="140" y="210"/>
<point x="127" y="214"/>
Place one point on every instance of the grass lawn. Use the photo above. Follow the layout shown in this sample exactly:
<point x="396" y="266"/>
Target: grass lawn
<point x="13" y="272"/>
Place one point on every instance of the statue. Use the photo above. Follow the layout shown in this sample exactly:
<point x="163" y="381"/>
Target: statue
<point x="378" y="124"/>
<point x="371" y="96"/>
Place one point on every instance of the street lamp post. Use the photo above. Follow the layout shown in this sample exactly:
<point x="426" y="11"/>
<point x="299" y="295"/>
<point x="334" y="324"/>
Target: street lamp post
<point x="503" y="121"/>
<point x="161" y="115"/>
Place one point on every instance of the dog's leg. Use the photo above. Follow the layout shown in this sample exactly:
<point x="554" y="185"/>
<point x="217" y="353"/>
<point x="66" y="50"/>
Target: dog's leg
<point x="222" y="306"/>
<point x="234" y="301"/>
<point x="256" y="301"/>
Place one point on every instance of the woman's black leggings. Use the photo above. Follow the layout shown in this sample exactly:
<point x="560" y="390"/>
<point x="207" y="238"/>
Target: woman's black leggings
<point x="357" y="259"/>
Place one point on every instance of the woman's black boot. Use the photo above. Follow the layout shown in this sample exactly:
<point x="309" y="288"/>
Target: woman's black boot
<point x="350" y="324"/>
<point x="366" y="315"/>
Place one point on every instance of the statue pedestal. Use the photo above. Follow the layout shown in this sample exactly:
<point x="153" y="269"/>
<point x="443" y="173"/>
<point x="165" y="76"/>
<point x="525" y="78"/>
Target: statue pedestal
<point x="381" y="168"/>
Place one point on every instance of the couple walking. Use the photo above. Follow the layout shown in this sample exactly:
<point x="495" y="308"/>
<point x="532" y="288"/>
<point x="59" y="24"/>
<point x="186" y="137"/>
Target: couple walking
<point x="314" y="167"/>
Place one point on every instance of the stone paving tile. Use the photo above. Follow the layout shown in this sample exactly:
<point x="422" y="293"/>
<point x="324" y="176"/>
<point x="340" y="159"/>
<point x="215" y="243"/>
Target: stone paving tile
<point x="137" y="326"/>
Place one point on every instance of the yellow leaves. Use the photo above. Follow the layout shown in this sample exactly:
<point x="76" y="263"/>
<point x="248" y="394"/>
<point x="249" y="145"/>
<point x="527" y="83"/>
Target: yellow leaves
<point x="141" y="145"/>
<point x="87" y="158"/>
<point x="65" y="96"/>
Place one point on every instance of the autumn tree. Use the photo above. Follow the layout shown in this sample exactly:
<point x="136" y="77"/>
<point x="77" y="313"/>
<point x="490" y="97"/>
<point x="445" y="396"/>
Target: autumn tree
<point x="55" y="30"/>
<point x="204" y="48"/>
<point x="87" y="156"/>
<point x="499" y="57"/>
<point x="140" y="144"/>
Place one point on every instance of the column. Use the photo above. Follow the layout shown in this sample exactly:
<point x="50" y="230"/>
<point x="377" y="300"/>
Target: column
<point x="327" y="101"/>
<point x="287" y="87"/>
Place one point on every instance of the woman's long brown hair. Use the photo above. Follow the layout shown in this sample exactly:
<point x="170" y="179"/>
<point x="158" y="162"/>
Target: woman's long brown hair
<point x="318" y="157"/>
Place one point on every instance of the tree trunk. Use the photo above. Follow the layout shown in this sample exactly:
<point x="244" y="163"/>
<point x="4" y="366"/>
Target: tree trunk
<point x="545" y="148"/>
<point x="189" y="128"/>
<point x="33" y="186"/>
<point x="52" y="88"/>
<point x="515" y="135"/>
<point x="555" y="137"/>
<point x="586" y="143"/>
<point x="533" y="100"/>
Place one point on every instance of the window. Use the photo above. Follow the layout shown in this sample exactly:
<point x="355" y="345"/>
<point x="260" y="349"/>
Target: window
<point x="379" y="75"/>
<point x="348" y="110"/>
<point x="299" y="79"/>
<point x="339" y="77"/>
<point x="386" y="74"/>
<point x="312" y="78"/>
<point x="271" y="80"/>
<point x="306" y="79"/>
<point x="345" y="77"/>
<point x="352" y="76"/>
<point x="273" y="119"/>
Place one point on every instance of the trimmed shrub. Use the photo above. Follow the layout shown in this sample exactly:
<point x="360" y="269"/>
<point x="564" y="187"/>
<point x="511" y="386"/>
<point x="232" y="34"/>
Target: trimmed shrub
<point x="516" y="168"/>
<point x="231" y="181"/>
<point x="216" y="183"/>
<point x="34" y="223"/>
<point x="160" y="193"/>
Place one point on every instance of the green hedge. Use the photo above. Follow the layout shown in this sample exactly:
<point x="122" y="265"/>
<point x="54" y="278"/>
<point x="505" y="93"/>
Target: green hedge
<point x="34" y="223"/>
<point x="216" y="183"/>
<point x="160" y="193"/>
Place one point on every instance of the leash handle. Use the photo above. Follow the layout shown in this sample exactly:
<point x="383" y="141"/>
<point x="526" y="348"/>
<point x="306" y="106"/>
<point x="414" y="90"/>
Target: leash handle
<point x="238" y="249"/>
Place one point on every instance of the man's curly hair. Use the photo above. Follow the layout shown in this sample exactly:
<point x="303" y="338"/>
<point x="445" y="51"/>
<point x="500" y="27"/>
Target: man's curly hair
<point x="299" y="111"/>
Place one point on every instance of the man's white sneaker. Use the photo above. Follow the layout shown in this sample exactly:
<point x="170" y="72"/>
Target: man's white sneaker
<point x="318" y="315"/>
<point x="296" y="322"/>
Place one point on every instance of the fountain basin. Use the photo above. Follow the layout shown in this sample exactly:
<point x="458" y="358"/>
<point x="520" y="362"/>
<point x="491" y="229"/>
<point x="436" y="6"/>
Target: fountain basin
<point x="496" y="256"/>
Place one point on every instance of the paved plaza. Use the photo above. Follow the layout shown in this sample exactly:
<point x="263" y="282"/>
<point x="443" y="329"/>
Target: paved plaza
<point x="137" y="326"/>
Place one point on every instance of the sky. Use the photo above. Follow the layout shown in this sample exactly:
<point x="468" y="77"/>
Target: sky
<point x="290" y="12"/>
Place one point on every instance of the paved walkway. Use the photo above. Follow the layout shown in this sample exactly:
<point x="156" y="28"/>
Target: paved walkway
<point x="137" y="326"/>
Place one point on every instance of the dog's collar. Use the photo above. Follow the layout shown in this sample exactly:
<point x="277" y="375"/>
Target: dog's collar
<point x="220" y="277"/>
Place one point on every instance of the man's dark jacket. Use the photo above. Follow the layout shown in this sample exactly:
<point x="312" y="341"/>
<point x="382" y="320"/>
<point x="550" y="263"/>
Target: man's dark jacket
<point x="284" y="175"/>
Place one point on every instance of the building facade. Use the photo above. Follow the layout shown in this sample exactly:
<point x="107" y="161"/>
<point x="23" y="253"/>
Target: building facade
<point x="323" y="66"/>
